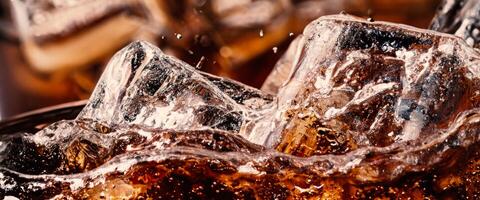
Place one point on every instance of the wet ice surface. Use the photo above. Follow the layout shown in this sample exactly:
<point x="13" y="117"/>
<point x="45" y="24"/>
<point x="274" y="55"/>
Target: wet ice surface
<point x="155" y="90"/>
<point x="461" y="18"/>
<point x="360" y="103"/>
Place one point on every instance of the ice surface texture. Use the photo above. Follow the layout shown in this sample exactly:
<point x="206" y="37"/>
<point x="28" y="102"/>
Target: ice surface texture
<point x="459" y="17"/>
<point x="142" y="86"/>
<point x="359" y="104"/>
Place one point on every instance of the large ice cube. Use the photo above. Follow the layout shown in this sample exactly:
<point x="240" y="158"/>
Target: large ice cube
<point x="372" y="84"/>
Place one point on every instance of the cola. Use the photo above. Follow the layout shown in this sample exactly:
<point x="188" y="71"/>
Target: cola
<point x="368" y="109"/>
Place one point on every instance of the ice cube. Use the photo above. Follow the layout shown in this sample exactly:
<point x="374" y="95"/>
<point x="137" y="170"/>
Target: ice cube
<point x="461" y="18"/>
<point x="61" y="29"/>
<point x="359" y="81"/>
<point x="142" y="86"/>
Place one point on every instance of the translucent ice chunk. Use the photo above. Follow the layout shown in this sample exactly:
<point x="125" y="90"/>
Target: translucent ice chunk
<point x="461" y="18"/>
<point x="372" y="84"/>
<point x="63" y="28"/>
<point x="142" y="86"/>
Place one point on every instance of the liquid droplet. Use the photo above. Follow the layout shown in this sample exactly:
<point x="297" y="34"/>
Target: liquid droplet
<point x="200" y="62"/>
<point x="275" y="49"/>
<point x="370" y="19"/>
<point x="178" y="35"/>
<point x="261" y="33"/>
<point x="190" y="52"/>
<point x="291" y="34"/>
